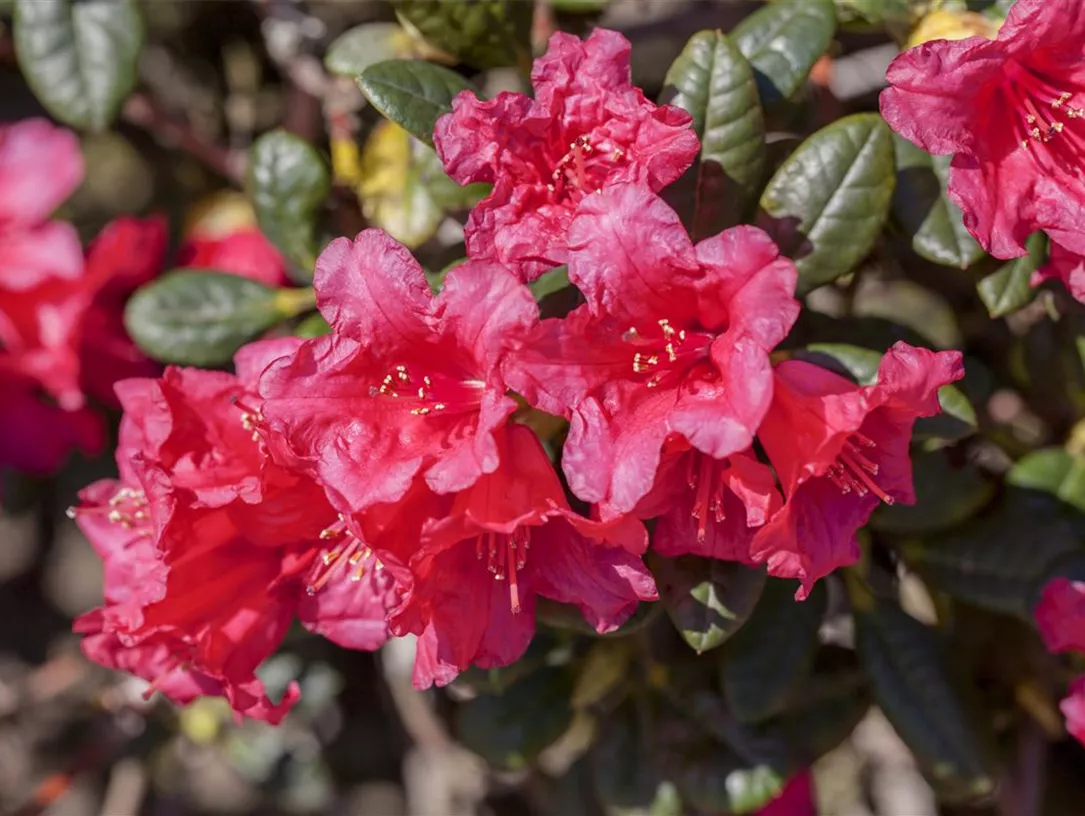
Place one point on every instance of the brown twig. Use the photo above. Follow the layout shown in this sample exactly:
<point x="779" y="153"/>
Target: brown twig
<point x="140" y="110"/>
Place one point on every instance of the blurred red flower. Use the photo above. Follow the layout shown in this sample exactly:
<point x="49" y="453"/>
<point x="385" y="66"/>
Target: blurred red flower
<point x="587" y="128"/>
<point x="223" y="236"/>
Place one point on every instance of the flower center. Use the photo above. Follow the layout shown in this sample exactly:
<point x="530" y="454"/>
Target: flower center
<point x="426" y="394"/>
<point x="252" y="419"/>
<point x="854" y="472"/>
<point x="127" y="507"/>
<point x="505" y="556"/>
<point x="665" y="352"/>
<point x="704" y="479"/>
<point x="1047" y="122"/>
<point x="584" y="169"/>
<point x="348" y="557"/>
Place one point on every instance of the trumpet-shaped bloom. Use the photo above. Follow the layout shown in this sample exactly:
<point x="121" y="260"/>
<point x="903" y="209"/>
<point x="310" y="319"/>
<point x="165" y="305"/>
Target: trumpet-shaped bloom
<point x="1013" y="111"/>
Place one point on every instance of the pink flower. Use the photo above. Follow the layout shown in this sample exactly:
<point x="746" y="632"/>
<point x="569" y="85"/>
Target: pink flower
<point x="587" y="128"/>
<point x="224" y="237"/>
<point x="406" y="384"/>
<point x="1060" y="615"/>
<point x="1065" y="266"/>
<point x="839" y="450"/>
<point x="1011" y="109"/>
<point x="671" y="348"/>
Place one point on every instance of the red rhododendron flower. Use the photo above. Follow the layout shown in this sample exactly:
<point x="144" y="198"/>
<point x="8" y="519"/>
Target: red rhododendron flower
<point x="1012" y="110"/>
<point x="839" y="450"/>
<point x="407" y="383"/>
<point x="211" y="548"/>
<point x="673" y="344"/>
<point x="1065" y="266"/>
<point x="587" y="128"/>
<point x="478" y="559"/>
<point x="224" y="237"/>
<point x="796" y="799"/>
<point x="1060" y="615"/>
<point x="1073" y="709"/>
<point x="126" y="254"/>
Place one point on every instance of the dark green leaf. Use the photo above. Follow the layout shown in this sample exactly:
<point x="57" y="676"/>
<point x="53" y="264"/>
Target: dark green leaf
<point x="79" y="57"/>
<point x="707" y="599"/>
<point x="288" y="182"/>
<point x="904" y="659"/>
<point x="771" y="655"/>
<point x="200" y="318"/>
<point x="828" y="201"/>
<point x="945" y="496"/>
<point x="873" y="14"/>
<point x="782" y="41"/>
<point x="623" y="767"/>
<point x="715" y="83"/>
<point x="482" y="33"/>
<point x="550" y="282"/>
<point x="569" y="617"/>
<point x="1007" y="289"/>
<point x="356" y="49"/>
<point x="925" y="212"/>
<point x="713" y="779"/>
<point x="412" y="94"/>
<point x="511" y="729"/>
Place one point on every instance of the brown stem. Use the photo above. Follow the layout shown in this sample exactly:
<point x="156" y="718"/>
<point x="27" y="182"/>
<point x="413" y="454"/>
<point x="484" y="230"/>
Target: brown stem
<point x="140" y="110"/>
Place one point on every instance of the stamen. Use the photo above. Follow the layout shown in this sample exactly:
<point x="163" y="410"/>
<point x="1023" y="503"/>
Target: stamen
<point x="853" y="471"/>
<point x="350" y="553"/>
<point x="506" y="556"/>
<point x="430" y="393"/>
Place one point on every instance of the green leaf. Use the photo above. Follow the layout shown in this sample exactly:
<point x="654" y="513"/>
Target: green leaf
<point x="356" y="49"/>
<point x="716" y="85"/>
<point x="827" y="203"/>
<point x="79" y="57"/>
<point x="313" y="326"/>
<point x="714" y="779"/>
<point x="1007" y="289"/>
<point x="412" y="94"/>
<point x="911" y="685"/>
<point x="769" y="658"/>
<point x="288" y="183"/>
<point x="1052" y="470"/>
<point x="707" y="599"/>
<point x="482" y="33"/>
<point x="511" y="729"/>
<point x="550" y="282"/>
<point x="782" y="41"/>
<point x="925" y="212"/>
<point x="201" y="317"/>
<point x="945" y="496"/>
<point x="864" y="15"/>
<point x="958" y="417"/>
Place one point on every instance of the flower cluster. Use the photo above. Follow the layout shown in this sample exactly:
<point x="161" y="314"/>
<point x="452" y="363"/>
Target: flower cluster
<point x="63" y="345"/>
<point x="1060" y="616"/>
<point x="1012" y="112"/>
<point x="385" y="478"/>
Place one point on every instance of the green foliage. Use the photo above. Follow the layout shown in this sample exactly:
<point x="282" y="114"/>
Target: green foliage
<point x="201" y="317"/>
<point x="828" y="202"/>
<point x="79" y="57"/>
<point x="716" y="84"/>
<point x="288" y="183"/>
<point x="412" y="94"/>
<point x="481" y="33"/>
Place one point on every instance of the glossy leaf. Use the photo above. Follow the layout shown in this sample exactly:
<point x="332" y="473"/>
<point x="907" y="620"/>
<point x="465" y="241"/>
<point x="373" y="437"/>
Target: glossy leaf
<point x="925" y="212"/>
<point x="200" y="318"/>
<point x="707" y="599"/>
<point x="482" y="33"/>
<point x="1052" y="470"/>
<point x="412" y="94"/>
<point x="945" y="496"/>
<point x="716" y="84"/>
<point x="1007" y="289"/>
<point x="782" y="41"/>
<point x="288" y="182"/>
<point x="624" y="770"/>
<point x="79" y="57"/>
<point x="827" y="203"/>
<point x="714" y="779"/>
<point x="910" y="682"/>
<point x="356" y="49"/>
<point x="770" y="656"/>
<point x="509" y="730"/>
